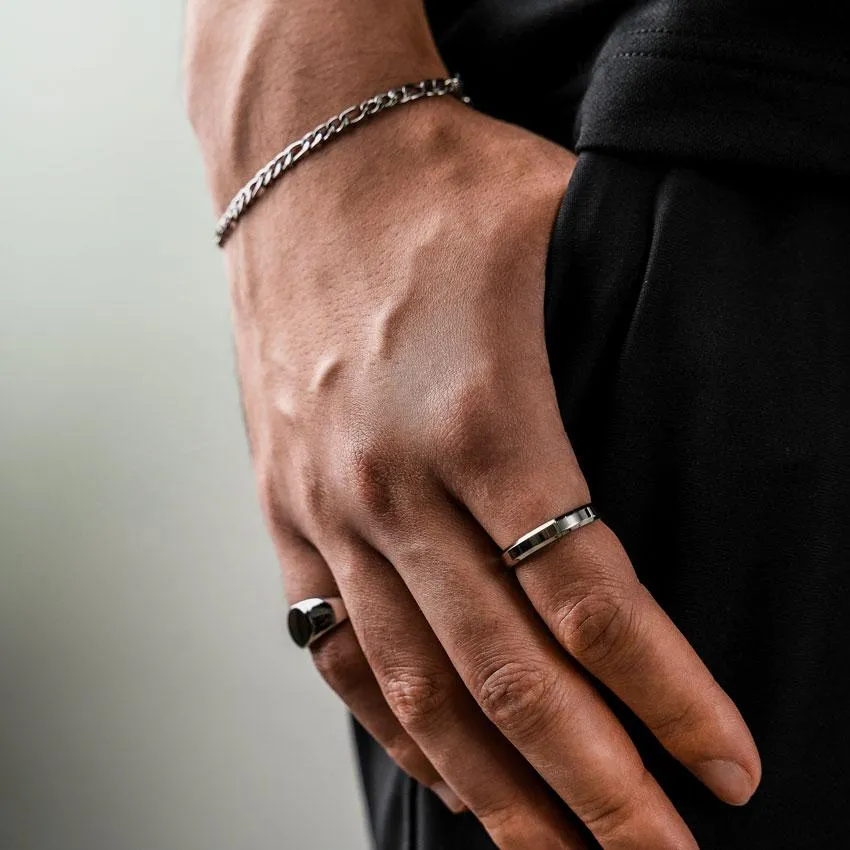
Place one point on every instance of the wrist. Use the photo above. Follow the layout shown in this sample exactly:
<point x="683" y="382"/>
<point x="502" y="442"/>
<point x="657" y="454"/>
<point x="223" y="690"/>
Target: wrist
<point x="256" y="80"/>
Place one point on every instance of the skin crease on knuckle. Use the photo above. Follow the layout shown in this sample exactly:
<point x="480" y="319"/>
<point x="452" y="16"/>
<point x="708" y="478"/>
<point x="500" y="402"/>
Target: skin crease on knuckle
<point x="634" y="817"/>
<point x="416" y="696"/>
<point x="597" y="626"/>
<point x="374" y="474"/>
<point x="521" y="700"/>
<point x="514" y="826"/>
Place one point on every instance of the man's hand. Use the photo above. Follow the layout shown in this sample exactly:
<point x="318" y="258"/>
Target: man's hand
<point x="388" y="314"/>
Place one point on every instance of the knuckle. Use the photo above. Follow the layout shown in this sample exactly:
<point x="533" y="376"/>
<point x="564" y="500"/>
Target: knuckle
<point x="340" y="661"/>
<point x="470" y="403"/>
<point x="676" y="722"/>
<point x="515" y="822"/>
<point x="629" y="817"/>
<point x="401" y="749"/>
<point x="472" y="425"/>
<point x="373" y="480"/>
<point x="408" y="756"/>
<point x="608" y="817"/>
<point x="518" y="698"/>
<point x="269" y="495"/>
<point x="291" y="498"/>
<point x="314" y="493"/>
<point x="417" y="697"/>
<point x="597" y="627"/>
<point x="507" y="821"/>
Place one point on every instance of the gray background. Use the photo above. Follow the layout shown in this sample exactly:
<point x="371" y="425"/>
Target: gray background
<point x="149" y="698"/>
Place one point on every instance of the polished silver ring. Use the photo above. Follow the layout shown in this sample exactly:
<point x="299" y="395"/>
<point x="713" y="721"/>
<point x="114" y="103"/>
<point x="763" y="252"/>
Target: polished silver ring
<point x="309" y="619"/>
<point x="546" y="534"/>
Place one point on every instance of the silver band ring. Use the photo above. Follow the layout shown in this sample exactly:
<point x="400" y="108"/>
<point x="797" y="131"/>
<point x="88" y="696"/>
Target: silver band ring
<point x="311" y="618"/>
<point x="546" y="534"/>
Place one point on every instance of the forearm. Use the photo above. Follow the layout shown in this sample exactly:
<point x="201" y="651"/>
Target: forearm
<point x="261" y="72"/>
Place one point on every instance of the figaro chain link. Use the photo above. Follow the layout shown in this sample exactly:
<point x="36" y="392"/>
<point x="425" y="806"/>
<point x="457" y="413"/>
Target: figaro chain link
<point x="319" y="136"/>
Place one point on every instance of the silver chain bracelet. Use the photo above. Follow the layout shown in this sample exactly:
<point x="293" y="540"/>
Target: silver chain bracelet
<point x="325" y="132"/>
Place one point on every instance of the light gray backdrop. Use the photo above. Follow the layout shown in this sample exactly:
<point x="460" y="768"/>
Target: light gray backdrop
<point x="149" y="698"/>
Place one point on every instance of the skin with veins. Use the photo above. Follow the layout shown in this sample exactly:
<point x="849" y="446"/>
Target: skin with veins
<point x="326" y="374"/>
<point x="387" y="304"/>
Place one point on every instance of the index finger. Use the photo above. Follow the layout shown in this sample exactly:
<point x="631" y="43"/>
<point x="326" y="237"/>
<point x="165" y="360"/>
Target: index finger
<point x="586" y="590"/>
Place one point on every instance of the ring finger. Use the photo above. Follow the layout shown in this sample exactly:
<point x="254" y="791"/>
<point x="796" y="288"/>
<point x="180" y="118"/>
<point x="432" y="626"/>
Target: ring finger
<point x="341" y="663"/>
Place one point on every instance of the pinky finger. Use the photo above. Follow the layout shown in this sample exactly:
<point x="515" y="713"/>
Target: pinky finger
<point x="342" y="664"/>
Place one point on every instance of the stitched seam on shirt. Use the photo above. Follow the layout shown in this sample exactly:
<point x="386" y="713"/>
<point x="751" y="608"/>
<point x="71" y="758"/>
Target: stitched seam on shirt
<point x="789" y="76"/>
<point x="750" y="45"/>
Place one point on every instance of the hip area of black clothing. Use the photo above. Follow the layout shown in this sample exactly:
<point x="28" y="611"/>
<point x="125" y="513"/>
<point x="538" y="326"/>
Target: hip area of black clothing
<point x="739" y="81"/>
<point x="696" y="321"/>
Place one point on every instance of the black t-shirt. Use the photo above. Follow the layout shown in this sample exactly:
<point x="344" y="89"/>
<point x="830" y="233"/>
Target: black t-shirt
<point x="764" y="81"/>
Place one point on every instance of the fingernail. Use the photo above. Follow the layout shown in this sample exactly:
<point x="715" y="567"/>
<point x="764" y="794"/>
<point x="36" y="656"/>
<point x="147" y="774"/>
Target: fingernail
<point x="728" y="780"/>
<point x="451" y="800"/>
